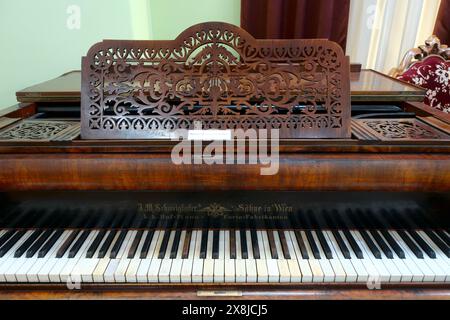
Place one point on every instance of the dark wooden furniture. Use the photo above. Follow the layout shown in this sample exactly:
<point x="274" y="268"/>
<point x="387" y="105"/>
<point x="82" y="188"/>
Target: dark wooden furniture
<point x="398" y="152"/>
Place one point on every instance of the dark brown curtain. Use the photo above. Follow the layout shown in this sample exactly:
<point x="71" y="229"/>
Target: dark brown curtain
<point x="442" y="26"/>
<point x="296" y="19"/>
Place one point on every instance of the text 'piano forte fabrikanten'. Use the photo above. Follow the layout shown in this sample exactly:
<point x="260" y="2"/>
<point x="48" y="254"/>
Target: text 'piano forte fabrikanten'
<point x="363" y="180"/>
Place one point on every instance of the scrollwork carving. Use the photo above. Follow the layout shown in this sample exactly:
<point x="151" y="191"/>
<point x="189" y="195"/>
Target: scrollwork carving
<point x="218" y="74"/>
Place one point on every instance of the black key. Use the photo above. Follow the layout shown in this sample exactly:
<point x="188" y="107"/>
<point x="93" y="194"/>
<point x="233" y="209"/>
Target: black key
<point x="301" y="245"/>
<point x="94" y="245"/>
<point x="65" y="246"/>
<point x="323" y="242"/>
<point x="394" y="245"/>
<point x="410" y="243"/>
<point x="382" y="244"/>
<point x="77" y="245"/>
<point x="147" y="243"/>
<point x="443" y="236"/>
<point x="39" y="242"/>
<point x="440" y="244"/>
<point x="272" y="246"/>
<point x="255" y="244"/>
<point x="204" y="244"/>
<point x="50" y="243"/>
<point x="116" y="248"/>
<point x="232" y="244"/>
<point x="27" y="244"/>
<point x="373" y="248"/>
<point x="176" y="244"/>
<point x="6" y="236"/>
<point x="345" y="251"/>
<point x="312" y="244"/>
<point x="135" y="244"/>
<point x="244" y="248"/>
<point x="355" y="247"/>
<point x="215" y="248"/>
<point x="422" y="244"/>
<point x="187" y="244"/>
<point x="106" y="244"/>
<point x="164" y="243"/>
<point x="11" y="242"/>
<point x="284" y="246"/>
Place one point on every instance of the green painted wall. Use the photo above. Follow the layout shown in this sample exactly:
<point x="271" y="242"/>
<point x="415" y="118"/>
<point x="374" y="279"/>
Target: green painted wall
<point x="37" y="44"/>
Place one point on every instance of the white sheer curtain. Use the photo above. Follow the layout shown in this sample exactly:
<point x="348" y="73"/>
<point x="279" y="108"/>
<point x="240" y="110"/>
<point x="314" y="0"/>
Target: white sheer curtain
<point x="381" y="31"/>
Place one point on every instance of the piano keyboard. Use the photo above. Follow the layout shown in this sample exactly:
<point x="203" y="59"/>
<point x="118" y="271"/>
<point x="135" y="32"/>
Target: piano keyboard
<point x="192" y="255"/>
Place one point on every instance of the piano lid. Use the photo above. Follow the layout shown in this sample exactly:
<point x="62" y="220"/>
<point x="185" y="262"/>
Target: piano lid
<point x="366" y="85"/>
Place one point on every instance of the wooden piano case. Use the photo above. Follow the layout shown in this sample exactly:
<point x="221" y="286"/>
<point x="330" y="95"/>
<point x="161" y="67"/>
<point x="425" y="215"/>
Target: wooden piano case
<point x="358" y="135"/>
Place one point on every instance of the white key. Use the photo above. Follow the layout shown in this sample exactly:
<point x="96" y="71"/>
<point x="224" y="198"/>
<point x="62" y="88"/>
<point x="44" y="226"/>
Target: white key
<point x="144" y="266"/>
<point x="327" y="269"/>
<point x="241" y="272"/>
<point x="250" y="262"/>
<point x="339" y="273"/>
<point x="42" y="273"/>
<point x="102" y="265"/>
<point x="294" y="269"/>
<point x="177" y="263"/>
<point x="261" y="264"/>
<point x="350" y="274"/>
<point x="120" y="273"/>
<point x="55" y="273"/>
<point x="219" y="264"/>
<point x="441" y="257"/>
<point x="283" y="268"/>
<point x="383" y="274"/>
<point x="391" y="268"/>
<point x="186" y="269"/>
<point x="230" y="273"/>
<point x="32" y="274"/>
<point x="21" y="273"/>
<point x="362" y="274"/>
<point x="13" y="274"/>
<point x="418" y="275"/>
<point x="8" y="259"/>
<point x="197" y="263"/>
<point x="69" y="272"/>
<point x="87" y="266"/>
<point x="155" y="264"/>
<point x="208" y="264"/>
<point x="133" y="267"/>
<point x="411" y="260"/>
<point x="303" y="264"/>
<point x="316" y="269"/>
<point x="166" y="263"/>
<point x="439" y="273"/>
<point x="272" y="265"/>
<point x="372" y="271"/>
<point x="405" y="274"/>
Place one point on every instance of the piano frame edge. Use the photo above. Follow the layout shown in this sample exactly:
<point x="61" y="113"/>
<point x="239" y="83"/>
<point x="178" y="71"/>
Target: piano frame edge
<point x="318" y="291"/>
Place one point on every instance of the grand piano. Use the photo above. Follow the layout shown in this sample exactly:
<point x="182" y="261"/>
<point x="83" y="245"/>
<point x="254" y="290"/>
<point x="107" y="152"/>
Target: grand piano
<point x="93" y="205"/>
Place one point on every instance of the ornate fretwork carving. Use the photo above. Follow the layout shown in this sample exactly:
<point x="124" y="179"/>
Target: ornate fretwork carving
<point x="218" y="74"/>
<point x="396" y="129"/>
<point x="36" y="130"/>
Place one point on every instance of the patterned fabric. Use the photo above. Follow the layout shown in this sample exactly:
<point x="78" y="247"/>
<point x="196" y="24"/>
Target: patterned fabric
<point x="433" y="74"/>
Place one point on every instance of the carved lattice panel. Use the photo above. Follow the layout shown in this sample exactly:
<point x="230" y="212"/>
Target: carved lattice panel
<point x="41" y="130"/>
<point x="396" y="129"/>
<point x="218" y="75"/>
